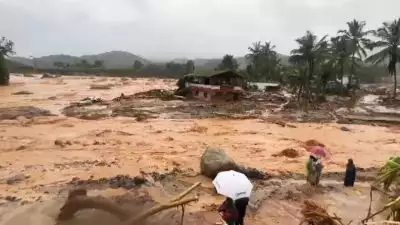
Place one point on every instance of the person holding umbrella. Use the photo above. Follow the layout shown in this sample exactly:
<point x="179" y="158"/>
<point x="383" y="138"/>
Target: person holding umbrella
<point x="314" y="170"/>
<point x="241" y="206"/>
<point x="314" y="164"/>
<point x="228" y="211"/>
<point x="237" y="188"/>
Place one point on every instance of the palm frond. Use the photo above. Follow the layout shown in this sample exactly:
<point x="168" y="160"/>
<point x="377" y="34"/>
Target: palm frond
<point x="389" y="172"/>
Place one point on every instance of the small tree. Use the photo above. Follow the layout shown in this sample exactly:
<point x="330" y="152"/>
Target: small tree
<point x="98" y="63"/>
<point x="228" y="63"/>
<point x="6" y="48"/>
<point x="189" y="68"/>
<point x="137" y="65"/>
<point x="84" y="63"/>
<point x="59" y="65"/>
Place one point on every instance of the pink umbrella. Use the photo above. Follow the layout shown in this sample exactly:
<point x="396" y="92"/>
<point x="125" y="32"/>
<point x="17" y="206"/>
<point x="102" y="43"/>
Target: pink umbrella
<point x="319" y="151"/>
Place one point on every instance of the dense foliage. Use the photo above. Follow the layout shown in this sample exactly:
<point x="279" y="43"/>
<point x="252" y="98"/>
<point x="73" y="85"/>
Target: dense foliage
<point x="6" y="48"/>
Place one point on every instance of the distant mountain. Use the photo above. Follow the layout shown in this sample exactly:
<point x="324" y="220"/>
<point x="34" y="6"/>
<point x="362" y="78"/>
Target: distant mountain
<point x="113" y="59"/>
<point x="116" y="59"/>
<point x="122" y="59"/>
<point x="15" y="65"/>
<point x="21" y="60"/>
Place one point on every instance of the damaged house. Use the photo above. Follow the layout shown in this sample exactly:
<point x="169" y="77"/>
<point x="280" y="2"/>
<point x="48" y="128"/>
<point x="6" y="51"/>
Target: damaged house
<point x="215" y="85"/>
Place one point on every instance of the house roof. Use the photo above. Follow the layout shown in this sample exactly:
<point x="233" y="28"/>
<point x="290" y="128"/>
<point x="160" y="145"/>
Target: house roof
<point x="213" y="73"/>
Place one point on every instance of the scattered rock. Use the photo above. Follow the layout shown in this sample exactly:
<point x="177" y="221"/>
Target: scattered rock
<point x="197" y="128"/>
<point x="96" y="142"/>
<point x="289" y="153"/>
<point x="88" y="109"/>
<point x="101" y="163"/>
<point x="214" y="161"/>
<point x="313" y="142"/>
<point x="25" y="202"/>
<point x="291" y="125"/>
<point x="22" y="93"/>
<point x="62" y="143"/>
<point x="139" y="180"/>
<point x="253" y="173"/>
<point x="16" y="179"/>
<point x="12" y="198"/>
<point x="88" y="101"/>
<point x="22" y="147"/>
<point x="342" y="111"/>
<point x="141" y="117"/>
<point x="380" y="91"/>
<point x="101" y="86"/>
<point x="169" y="138"/>
<point x="359" y="110"/>
<point x="52" y="98"/>
<point x="12" y="113"/>
<point x="157" y="93"/>
<point x="48" y="75"/>
<point x="59" y="142"/>
<point x="344" y="129"/>
<point x="119" y="181"/>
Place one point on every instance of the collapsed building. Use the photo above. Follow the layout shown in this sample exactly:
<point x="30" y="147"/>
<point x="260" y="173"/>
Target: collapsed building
<point x="215" y="85"/>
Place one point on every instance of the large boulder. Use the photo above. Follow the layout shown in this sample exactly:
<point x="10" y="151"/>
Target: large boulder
<point x="215" y="160"/>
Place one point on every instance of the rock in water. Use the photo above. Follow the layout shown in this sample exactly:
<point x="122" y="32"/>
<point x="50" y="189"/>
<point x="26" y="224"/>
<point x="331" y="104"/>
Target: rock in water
<point x="214" y="161"/>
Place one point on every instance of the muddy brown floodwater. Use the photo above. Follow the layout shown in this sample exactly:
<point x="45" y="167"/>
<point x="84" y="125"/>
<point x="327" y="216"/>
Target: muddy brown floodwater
<point x="49" y="151"/>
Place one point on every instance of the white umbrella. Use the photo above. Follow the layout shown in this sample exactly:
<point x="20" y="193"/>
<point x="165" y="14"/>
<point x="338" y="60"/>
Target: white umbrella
<point x="233" y="184"/>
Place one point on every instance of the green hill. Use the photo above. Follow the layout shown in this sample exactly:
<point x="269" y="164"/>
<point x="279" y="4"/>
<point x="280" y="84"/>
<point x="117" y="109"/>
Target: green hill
<point x="111" y="60"/>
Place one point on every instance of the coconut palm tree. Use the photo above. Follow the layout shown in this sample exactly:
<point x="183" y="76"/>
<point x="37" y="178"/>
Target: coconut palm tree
<point x="309" y="51"/>
<point x="389" y="46"/>
<point x="340" y="54"/>
<point x="264" y="60"/>
<point x="358" y="41"/>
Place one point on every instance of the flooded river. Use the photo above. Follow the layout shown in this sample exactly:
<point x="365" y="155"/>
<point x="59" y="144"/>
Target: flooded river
<point x="121" y="145"/>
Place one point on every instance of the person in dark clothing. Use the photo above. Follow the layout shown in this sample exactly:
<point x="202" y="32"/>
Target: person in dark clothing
<point x="241" y="206"/>
<point x="228" y="211"/>
<point x="350" y="176"/>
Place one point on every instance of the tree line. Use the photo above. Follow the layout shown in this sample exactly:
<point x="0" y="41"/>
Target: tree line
<point x="317" y="60"/>
<point x="85" y="64"/>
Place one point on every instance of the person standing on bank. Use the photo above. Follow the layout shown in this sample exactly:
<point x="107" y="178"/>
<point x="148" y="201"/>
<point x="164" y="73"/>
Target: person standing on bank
<point x="350" y="176"/>
<point x="241" y="206"/>
<point x="228" y="211"/>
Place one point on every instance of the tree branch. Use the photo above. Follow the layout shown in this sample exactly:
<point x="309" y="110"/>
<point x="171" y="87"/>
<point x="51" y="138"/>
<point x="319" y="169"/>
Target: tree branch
<point x="156" y="209"/>
<point x="179" y="197"/>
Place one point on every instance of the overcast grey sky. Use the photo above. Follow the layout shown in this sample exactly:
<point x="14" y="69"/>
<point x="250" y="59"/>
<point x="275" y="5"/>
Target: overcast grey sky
<point x="177" y="28"/>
